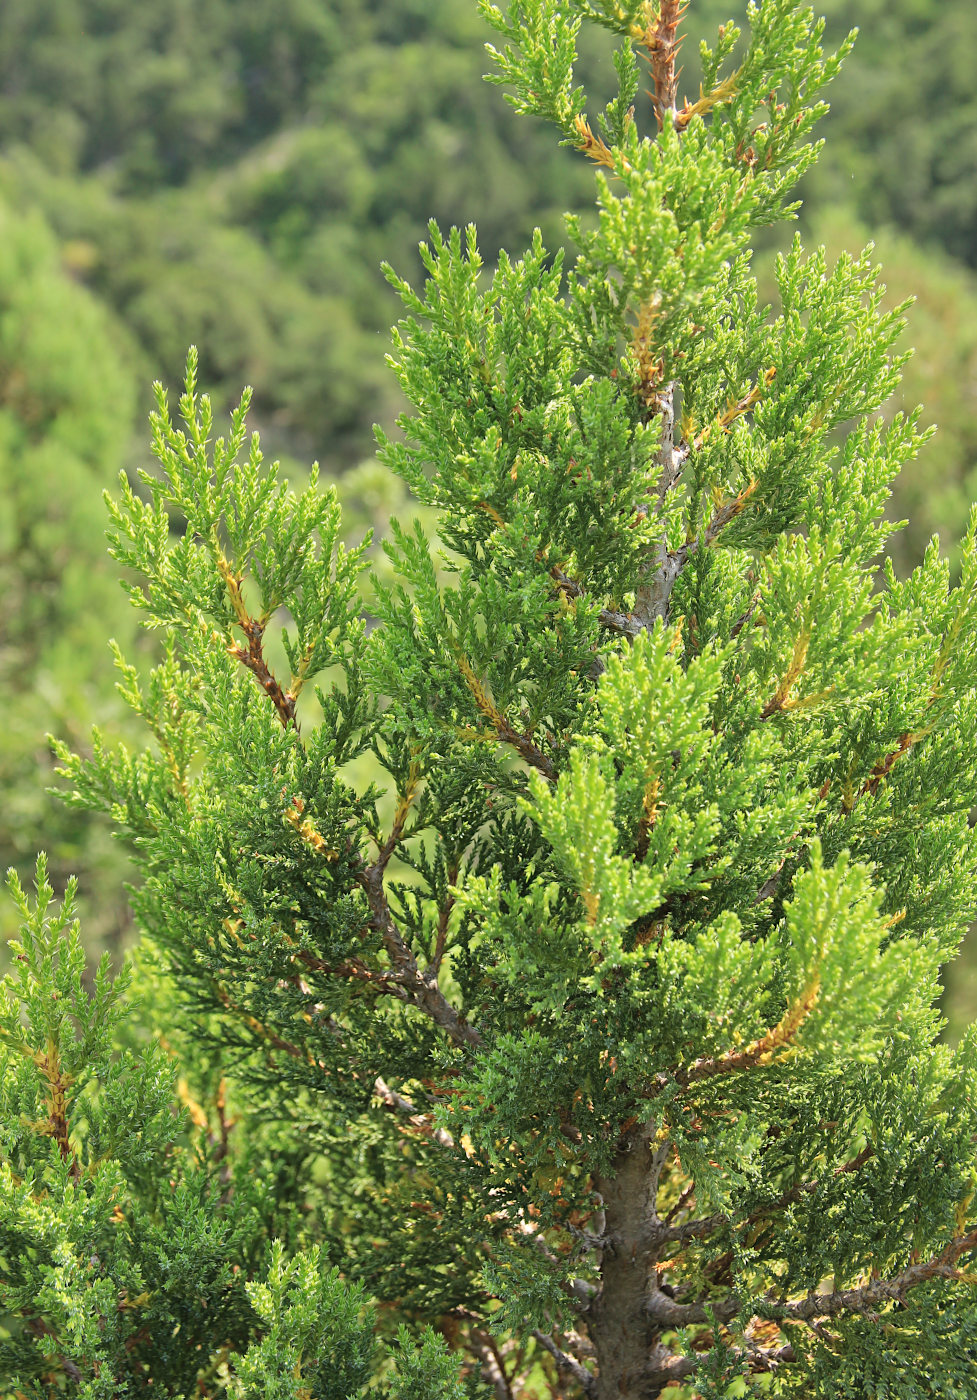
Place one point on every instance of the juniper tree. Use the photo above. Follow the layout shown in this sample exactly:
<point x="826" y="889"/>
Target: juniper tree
<point x="610" y="999"/>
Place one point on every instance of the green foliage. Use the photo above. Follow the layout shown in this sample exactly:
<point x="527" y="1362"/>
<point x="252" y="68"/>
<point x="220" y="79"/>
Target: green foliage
<point x="319" y="1341"/>
<point x="90" y="1222"/>
<point x="933" y="492"/>
<point x="612" y="1019"/>
<point x="131" y="1255"/>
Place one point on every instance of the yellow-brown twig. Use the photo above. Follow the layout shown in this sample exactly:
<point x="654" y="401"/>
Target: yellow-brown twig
<point x="781" y="699"/>
<point x="762" y="1051"/>
<point x="593" y="146"/>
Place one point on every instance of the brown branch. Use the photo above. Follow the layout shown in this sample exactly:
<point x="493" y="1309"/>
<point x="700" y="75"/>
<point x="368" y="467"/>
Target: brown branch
<point x="255" y="662"/>
<point x="421" y="987"/>
<point x="405" y="980"/>
<point x="40" y="1328"/>
<point x="254" y="630"/>
<point x="667" y="1312"/>
<point x="567" y="1365"/>
<point x="56" y="1127"/>
<point x="660" y="38"/>
<point x="661" y="572"/>
<point x="441" y="931"/>
<point x="882" y="770"/>
<point x="741" y="621"/>
<point x="225" y="1124"/>
<point x="526" y="749"/>
<point x="734" y="409"/>
<point x="355" y="970"/>
<point x="404" y="801"/>
<point x="522" y="743"/>
<point x="700" y="1229"/>
<point x="423" y="1123"/>
<point x="768" y="1358"/>
<point x="259" y="1029"/>
<point x="487" y="1352"/>
<point x="770" y="885"/>
<point x="761" y="1051"/>
<point x="664" y="1366"/>
<point x="866" y="1299"/>
<point x="578" y="1290"/>
<point x="686" y="1195"/>
<point x="727" y="512"/>
<point x="781" y="699"/>
<point x="659" y="578"/>
<point x="613" y="620"/>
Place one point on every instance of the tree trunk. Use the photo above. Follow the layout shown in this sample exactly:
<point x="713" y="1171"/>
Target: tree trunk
<point x="622" y="1332"/>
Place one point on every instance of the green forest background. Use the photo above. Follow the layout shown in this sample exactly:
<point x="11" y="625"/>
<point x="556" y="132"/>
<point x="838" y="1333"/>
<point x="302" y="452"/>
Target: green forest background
<point x="232" y="173"/>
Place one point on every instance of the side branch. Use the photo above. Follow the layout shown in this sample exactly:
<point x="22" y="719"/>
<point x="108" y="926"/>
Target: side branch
<point x="56" y="1127"/>
<point x="753" y="1056"/>
<point x="522" y="743"/>
<point x="420" y="1122"/>
<point x="253" y="658"/>
<point x="762" y="1051"/>
<point x="667" y="1312"/>
<point x="422" y="988"/>
<point x="884" y="1290"/>
<point x="567" y="1365"/>
<point x="707" y="1224"/>
<point x="662" y="571"/>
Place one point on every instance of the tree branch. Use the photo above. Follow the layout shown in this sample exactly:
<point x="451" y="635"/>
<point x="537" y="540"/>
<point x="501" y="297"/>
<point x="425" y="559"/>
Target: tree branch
<point x="566" y="1365"/>
<point x="884" y="1290"/>
<point x="762" y="1050"/>
<point x="421" y="987"/>
<point x="700" y="1229"/>
<point x="661" y="41"/>
<point x="255" y="662"/>
<point x="254" y="630"/>
<point x="666" y="1312"/>
<point x="487" y="1353"/>
<point x="741" y="621"/>
<point x="423" y="1122"/>
<point x="664" y="1366"/>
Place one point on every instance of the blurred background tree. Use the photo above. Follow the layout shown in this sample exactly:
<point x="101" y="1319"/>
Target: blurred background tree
<point x="67" y="402"/>
<point x="232" y="173"/>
